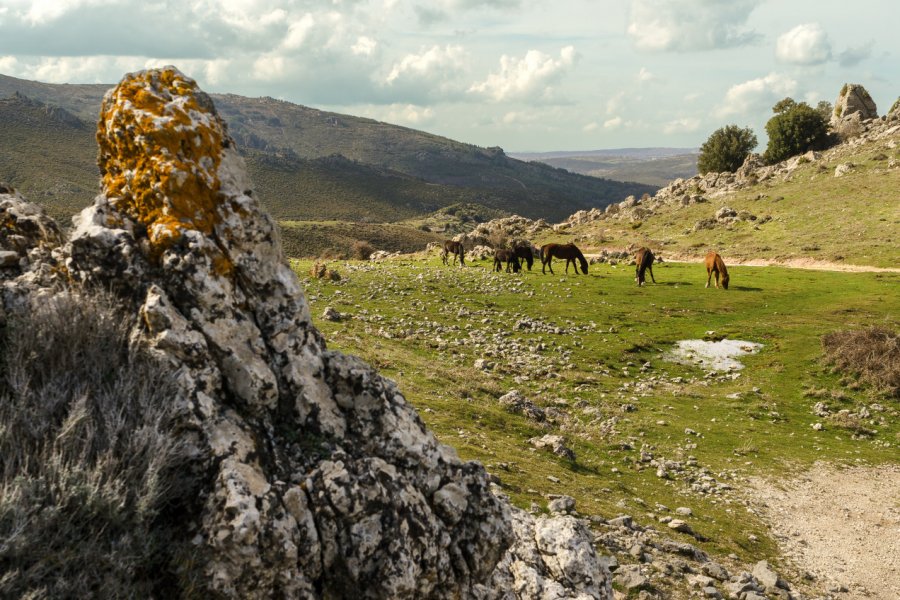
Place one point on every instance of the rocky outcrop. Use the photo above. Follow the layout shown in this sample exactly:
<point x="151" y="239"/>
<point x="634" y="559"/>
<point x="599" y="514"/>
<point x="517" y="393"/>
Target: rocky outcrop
<point x="319" y="479"/>
<point x="853" y="107"/>
<point x="500" y="232"/>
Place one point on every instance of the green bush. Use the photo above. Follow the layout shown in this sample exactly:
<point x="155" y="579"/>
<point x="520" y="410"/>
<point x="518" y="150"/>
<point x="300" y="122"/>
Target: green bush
<point x="96" y="493"/>
<point x="726" y="149"/>
<point x="796" y="128"/>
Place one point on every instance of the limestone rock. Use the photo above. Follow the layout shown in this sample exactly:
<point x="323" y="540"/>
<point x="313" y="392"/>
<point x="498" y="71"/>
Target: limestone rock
<point x="319" y="479"/>
<point x="553" y="558"/>
<point x="853" y="107"/>
<point x="556" y="443"/>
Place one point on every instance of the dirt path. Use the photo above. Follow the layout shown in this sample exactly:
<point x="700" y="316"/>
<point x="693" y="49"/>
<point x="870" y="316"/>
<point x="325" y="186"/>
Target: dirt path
<point x="840" y="524"/>
<point x="794" y="263"/>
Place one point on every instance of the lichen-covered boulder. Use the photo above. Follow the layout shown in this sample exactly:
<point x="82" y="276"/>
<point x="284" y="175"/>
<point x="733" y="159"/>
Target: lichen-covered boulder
<point x="322" y="479"/>
<point x="27" y="234"/>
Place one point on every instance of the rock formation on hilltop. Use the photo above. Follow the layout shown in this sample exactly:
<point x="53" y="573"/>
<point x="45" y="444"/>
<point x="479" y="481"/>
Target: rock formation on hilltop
<point x="853" y="106"/>
<point x="318" y="479"/>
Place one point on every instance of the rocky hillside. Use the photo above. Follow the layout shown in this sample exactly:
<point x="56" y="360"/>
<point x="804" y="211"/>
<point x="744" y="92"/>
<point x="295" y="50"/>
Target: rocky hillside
<point x="837" y="206"/>
<point x="312" y="164"/>
<point x="308" y="474"/>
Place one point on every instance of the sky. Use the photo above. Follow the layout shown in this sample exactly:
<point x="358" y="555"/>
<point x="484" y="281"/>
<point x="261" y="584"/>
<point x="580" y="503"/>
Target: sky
<point x="525" y="75"/>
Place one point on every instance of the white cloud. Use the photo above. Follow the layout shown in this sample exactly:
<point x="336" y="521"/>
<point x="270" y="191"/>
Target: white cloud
<point x="615" y="103"/>
<point x="682" y="125"/>
<point x="527" y="78"/>
<point x="409" y="114"/>
<point x="805" y="44"/>
<point x="855" y="55"/>
<point x="644" y="76"/>
<point x="364" y="45"/>
<point x="298" y="32"/>
<point x="685" y="25"/>
<point x="592" y="126"/>
<point x="756" y="95"/>
<point x="431" y="64"/>
<point x="613" y="123"/>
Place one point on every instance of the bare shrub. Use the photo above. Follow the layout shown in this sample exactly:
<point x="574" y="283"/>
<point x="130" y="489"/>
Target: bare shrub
<point x="96" y="493"/>
<point x="498" y="239"/>
<point x="361" y="250"/>
<point x="872" y="355"/>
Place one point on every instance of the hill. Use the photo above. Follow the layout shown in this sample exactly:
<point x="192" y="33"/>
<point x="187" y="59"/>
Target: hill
<point x="653" y="166"/>
<point x="838" y="206"/>
<point x="410" y="172"/>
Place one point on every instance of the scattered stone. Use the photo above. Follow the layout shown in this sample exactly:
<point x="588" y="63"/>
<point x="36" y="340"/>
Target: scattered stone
<point x="556" y="443"/>
<point x="684" y="511"/>
<point x="330" y="314"/>
<point x="630" y="577"/>
<point x="562" y="505"/>
<point x="767" y="577"/>
<point x="679" y="525"/>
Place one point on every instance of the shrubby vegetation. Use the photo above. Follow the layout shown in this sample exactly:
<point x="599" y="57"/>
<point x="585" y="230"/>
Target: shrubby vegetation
<point x="726" y="149"/>
<point x="796" y="128"/>
<point x="872" y="355"/>
<point x="95" y="492"/>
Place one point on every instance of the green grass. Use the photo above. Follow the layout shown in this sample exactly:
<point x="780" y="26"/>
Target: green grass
<point x="415" y="320"/>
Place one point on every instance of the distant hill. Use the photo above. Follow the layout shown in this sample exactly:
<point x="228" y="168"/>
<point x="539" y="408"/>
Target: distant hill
<point x="651" y="166"/>
<point x="311" y="164"/>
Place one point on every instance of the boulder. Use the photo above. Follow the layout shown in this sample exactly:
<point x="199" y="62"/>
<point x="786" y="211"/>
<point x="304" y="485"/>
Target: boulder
<point x="317" y="478"/>
<point x="852" y="109"/>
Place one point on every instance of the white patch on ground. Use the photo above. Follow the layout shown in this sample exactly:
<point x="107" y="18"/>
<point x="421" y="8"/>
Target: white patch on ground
<point x="716" y="356"/>
<point x="842" y="525"/>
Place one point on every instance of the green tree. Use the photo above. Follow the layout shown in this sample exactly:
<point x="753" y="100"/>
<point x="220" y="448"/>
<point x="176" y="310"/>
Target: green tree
<point x="726" y="149"/>
<point x="796" y="128"/>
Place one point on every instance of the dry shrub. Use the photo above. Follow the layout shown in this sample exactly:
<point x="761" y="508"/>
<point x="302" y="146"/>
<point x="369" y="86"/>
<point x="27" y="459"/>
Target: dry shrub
<point x="96" y="492"/>
<point x="872" y="355"/>
<point x="498" y="239"/>
<point x="361" y="250"/>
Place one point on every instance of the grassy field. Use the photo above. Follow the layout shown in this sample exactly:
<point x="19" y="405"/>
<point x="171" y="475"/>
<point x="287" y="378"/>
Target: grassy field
<point x="337" y="239"/>
<point x="588" y="350"/>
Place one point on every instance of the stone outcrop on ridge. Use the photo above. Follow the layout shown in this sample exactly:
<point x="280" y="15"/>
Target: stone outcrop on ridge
<point x="320" y="479"/>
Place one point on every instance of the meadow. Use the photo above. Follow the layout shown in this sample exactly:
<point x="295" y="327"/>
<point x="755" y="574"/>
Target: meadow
<point x="648" y="435"/>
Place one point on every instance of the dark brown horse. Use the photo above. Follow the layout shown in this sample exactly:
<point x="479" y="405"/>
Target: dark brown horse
<point x="715" y="264"/>
<point x="456" y="249"/>
<point x="525" y="253"/>
<point x="570" y="252"/>
<point x="509" y="257"/>
<point x="643" y="261"/>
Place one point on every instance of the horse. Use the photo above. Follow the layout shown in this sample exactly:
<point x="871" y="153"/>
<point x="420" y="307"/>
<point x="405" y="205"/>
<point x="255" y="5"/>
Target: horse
<point x="525" y="253"/>
<point x="456" y="249"/>
<point x="715" y="264"/>
<point x="643" y="261"/>
<point x="509" y="256"/>
<point x="570" y="252"/>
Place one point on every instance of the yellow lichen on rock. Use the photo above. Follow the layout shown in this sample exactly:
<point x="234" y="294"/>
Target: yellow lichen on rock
<point x="161" y="144"/>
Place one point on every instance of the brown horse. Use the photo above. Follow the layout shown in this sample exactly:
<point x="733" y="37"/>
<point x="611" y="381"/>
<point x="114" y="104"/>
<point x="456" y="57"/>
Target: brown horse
<point x="525" y="253"/>
<point x="570" y="252"/>
<point x="715" y="264"/>
<point x="509" y="256"/>
<point x="643" y="261"/>
<point x="456" y="249"/>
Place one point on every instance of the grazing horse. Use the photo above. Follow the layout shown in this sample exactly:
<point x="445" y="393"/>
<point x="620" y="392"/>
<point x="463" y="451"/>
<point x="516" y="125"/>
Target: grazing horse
<point x="509" y="256"/>
<point x="525" y="253"/>
<point x="456" y="249"/>
<point x="715" y="264"/>
<point x="570" y="252"/>
<point x="643" y="261"/>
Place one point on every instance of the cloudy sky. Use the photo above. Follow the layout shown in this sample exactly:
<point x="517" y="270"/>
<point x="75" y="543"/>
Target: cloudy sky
<point x="527" y="75"/>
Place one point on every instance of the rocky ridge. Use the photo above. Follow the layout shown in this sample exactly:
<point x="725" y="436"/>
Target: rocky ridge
<point x="858" y="125"/>
<point x="318" y="478"/>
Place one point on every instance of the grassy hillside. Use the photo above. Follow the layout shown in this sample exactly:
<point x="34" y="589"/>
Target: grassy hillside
<point x="331" y="239"/>
<point x="278" y="136"/>
<point x="810" y="215"/>
<point x="589" y="352"/>
<point x="48" y="154"/>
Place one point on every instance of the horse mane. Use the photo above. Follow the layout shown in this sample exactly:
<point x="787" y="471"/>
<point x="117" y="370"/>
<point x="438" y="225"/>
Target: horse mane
<point x="581" y="259"/>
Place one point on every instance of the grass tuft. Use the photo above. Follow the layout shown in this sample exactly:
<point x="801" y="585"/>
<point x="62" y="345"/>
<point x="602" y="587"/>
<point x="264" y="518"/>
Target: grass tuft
<point x="872" y="355"/>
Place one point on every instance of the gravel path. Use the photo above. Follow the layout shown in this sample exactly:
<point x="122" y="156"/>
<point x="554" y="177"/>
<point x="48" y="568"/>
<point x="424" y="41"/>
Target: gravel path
<point x="840" y="524"/>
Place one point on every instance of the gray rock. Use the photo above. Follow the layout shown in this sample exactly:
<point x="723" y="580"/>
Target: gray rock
<point x="556" y="443"/>
<point x="562" y="505"/>
<point x="630" y="577"/>
<point x="767" y="576"/>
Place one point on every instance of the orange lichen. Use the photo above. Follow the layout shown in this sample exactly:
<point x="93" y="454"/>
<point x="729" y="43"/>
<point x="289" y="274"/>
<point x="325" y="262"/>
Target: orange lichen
<point x="160" y="152"/>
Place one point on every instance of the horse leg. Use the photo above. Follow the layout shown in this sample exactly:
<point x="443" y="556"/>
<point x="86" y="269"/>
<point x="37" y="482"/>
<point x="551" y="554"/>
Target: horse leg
<point x="708" y="276"/>
<point x="444" y="256"/>
<point x="651" y="274"/>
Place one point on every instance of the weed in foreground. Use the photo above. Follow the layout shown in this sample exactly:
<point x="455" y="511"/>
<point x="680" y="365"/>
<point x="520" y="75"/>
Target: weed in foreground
<point x="95" y="491"/>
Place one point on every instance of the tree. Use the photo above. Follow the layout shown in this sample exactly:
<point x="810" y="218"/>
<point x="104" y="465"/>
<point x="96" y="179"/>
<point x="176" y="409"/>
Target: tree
<point x="825" y="109"/>
<point x="726" y="149"/>
<point x="796" y="128"/>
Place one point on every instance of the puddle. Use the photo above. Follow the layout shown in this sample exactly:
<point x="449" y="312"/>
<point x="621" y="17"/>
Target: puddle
<point x="715" y="356"/>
